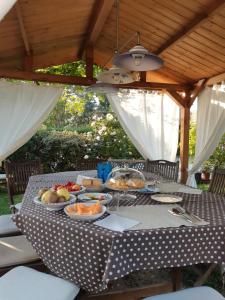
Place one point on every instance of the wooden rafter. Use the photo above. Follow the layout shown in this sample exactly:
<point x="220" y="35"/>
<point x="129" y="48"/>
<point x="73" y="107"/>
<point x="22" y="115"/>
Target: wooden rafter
<point x="28" y="59"/>
<point x="99" y="15"/>
<point x="200" y="19"/>
<point x="197" y="90"/>
<point x="22" y="28"/>
<point x="25" y="75"/>
<point x="181" y="102"/>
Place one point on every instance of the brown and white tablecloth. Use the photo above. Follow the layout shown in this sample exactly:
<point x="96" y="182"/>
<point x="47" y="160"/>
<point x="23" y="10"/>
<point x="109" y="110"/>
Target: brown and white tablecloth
<point x="91" y="256"/>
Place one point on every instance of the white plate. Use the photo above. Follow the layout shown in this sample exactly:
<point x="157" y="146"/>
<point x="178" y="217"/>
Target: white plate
<point x="86" y="197"/>
<point x="55" y="206"/>
<point x="83" y="189"/>
<point x="166" y="198"/>
<point x="75" y="216"/>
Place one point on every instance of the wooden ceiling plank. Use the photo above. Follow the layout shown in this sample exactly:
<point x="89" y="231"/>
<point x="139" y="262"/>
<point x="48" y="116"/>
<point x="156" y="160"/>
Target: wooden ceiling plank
<point x="99" y="15"/>
<point x="197" y="21"/>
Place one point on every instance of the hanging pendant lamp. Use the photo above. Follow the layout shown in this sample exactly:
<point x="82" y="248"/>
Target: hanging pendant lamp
<point x="116" y="75"/>
<point x="138" y="58"/>
<point x="102" y="88"/>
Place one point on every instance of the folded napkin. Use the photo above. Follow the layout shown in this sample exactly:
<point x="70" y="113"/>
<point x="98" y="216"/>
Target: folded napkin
<point x="117" y="223"/>
<point x="173" y="187"/>
<point x="154" y="216"/>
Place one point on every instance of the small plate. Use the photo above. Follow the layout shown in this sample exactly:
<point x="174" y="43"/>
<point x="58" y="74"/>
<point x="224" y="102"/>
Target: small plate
<point x="55" y="206"/>
<point x="82" y="190"/>
<point x="75" y="216"/>
<point x="166" y="198"/>
<point x="86" y="197"/>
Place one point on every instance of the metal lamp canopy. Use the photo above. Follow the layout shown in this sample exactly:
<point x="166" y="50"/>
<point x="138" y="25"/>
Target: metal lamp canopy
<point x="102" y="88"/>
<point x="138" y="58"/>
<point x="115" y="75"/>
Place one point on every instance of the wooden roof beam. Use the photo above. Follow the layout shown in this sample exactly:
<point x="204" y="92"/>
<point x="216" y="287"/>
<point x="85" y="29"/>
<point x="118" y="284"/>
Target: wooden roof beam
<point x="25" y="75"/>
<point x="28" y="61"/>
<point x="197" y="21"/>
<point x="99" y="15"/>
<point x="22" y="28"/>
<point x="197" y="90"/>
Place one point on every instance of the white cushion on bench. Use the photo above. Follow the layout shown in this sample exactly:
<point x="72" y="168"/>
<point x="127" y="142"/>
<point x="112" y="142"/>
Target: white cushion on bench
<point x="24" y="283"/>
<point x="16" y="250"/>
<point x="198" y="293"/>
<point x="7" y="226"/>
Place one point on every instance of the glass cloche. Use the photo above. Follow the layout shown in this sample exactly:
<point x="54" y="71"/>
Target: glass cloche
<point x="125" y="179"/>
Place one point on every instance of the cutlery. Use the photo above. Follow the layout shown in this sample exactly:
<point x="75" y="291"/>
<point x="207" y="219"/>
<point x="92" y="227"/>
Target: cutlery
<point x="180" y="213"/>
<point x="188" y="213"/>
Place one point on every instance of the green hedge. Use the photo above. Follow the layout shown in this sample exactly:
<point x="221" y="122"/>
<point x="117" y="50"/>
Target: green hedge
<point x="57" y="150"/>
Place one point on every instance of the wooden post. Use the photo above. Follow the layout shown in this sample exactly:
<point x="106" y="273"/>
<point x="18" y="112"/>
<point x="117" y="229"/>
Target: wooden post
<point x="184" y="142"/>
<point x="89" y="63"/>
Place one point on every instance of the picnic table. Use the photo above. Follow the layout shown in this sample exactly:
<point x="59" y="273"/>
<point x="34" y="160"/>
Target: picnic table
<point x="91" y="256"/>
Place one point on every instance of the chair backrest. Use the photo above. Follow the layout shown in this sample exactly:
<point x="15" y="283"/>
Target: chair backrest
<point x="128" y="163"/>
<point x="164" y="168"/>
<point x="217" y="184"/>
<point x="18" y="173"/>
<point x="84" y="164"/>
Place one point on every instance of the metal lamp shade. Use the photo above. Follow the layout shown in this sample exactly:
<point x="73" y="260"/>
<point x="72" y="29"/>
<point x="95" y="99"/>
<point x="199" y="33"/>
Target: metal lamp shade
<point x="138" y="59"/>
<point x="115" y="75"/>
<point x="102" y="88"/>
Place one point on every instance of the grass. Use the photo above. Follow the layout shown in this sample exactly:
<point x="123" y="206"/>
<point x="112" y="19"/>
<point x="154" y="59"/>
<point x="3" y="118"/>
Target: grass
<point x="4" y="200"/>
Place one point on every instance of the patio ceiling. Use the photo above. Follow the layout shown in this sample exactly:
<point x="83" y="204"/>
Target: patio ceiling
<point x="188" y="35"/>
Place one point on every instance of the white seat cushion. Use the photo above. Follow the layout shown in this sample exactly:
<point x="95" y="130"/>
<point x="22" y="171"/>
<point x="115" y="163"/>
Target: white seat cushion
<point x="23" y="283"/>
<point x="18" y="206"/>
<point x="7" y="226"/>
<point x="16" y="250"/>
<point x="198" y="293"/>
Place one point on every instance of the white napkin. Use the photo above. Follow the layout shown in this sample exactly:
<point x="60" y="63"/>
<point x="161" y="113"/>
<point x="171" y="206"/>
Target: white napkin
<point x="189" y="190"/>
<point x="172" y="187"/>
<point x="154" y="216"/>
<point x="117" y="223"/>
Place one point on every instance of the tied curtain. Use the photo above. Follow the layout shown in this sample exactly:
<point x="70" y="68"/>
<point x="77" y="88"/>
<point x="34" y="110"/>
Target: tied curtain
<point x="23" y="108"/>
<point x="5" y="6"/>
<point x="151" y="120"/>
<point x="210" y="127"/>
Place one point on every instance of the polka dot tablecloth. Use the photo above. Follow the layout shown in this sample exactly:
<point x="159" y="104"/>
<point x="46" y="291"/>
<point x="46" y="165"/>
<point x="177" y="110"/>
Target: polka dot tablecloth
<point x="91" y="256"/>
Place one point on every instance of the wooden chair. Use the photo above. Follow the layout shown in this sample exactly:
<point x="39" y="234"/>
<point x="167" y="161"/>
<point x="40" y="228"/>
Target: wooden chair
<point x="17" y="176"/>
<point x="84" y="164"/>
<point x="128" y="163"/>
<point x="217" y="184"/>
<point x="164" y="168"/>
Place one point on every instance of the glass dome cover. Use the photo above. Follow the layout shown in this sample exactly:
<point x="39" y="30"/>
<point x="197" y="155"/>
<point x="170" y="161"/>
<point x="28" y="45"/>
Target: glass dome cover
<point x="125" y="179"/>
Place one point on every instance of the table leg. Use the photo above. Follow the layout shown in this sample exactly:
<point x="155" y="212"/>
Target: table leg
<point x="176" y="275"/>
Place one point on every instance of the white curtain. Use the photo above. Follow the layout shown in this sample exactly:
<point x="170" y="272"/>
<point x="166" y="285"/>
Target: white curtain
<point x="210" y="126"/>
<point x="23" y="107"/>
<point x="5" y="6"/>
<point x="151" y="120"/>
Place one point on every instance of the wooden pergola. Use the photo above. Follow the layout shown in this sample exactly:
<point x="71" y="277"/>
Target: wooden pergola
<point x="188" y="35"/>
